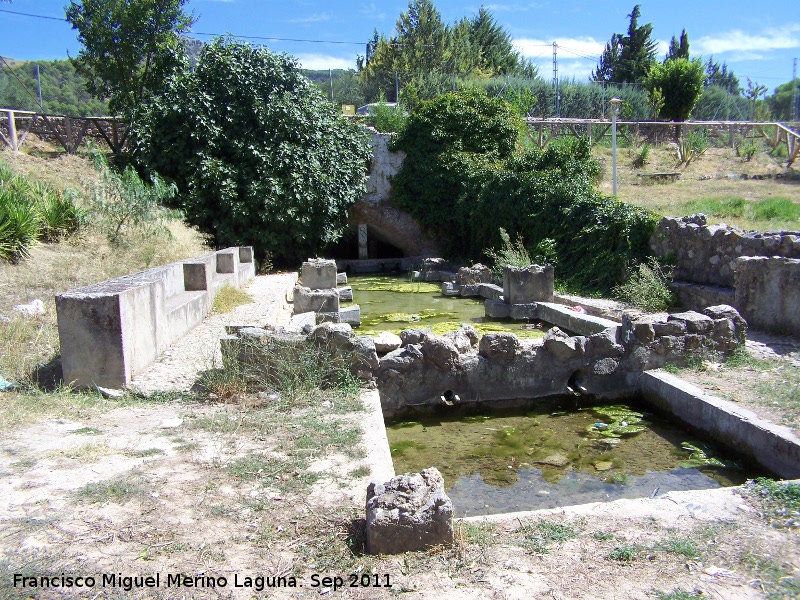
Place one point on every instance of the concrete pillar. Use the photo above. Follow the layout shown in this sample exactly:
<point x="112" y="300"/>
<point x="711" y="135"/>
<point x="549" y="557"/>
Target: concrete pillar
<point x="12" y="131"/>
<point x="363" y="252"/>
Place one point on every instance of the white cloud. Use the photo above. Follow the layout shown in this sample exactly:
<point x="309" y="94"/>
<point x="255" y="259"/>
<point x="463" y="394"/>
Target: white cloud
<point x="322" y="61"/>
<point x="371" y="12"/>
<point x="318" y="18"/>
<point x="779" y="38"/>
<point x="495" y="8"/>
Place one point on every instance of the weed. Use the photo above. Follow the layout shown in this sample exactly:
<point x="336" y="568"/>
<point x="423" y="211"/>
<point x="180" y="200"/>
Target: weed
<point x="625" y="553"/>
<point x="86" y="431"/>
<point x="684" y="546"/>
<point x="678" y="594"/>
<point x="647" y="288"/>
<point x="120" y="489"/>
<point x="538" y="536"/>
<point x="229" y="298"/>
<point x="147" y="452"/>
<point x="88" y="453"/>
<point x="360" y="472"/>
<point x="781" y="209"/>
<point x="746" y="148"/>
<point x="479" y="533"/>
<point x="603" y="536"/>
<point x="514" y="254"/>
<point x="641" y="157"/>
<point x="778" y="501"/>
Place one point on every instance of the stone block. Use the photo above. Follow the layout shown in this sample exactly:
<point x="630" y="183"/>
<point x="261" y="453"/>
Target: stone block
<point x="495" y="309"/>
<point x="491" y="291"/>
<point x="413" y="336"/>
<point x="364" y="355"/>
<point x="499" y="347"/>
<point x="669" y="328"/>
<point x="304" y="322"/>
<point x="450" y="289"/>
<point x="318" y="300"/>
<point x="475" y="274"/>
<point x="523" y="285"/>
<point x="341" y="279"/>
<point x="319" y="274"/>
<point x="335" y="334"/>
<point x="470" y="290"/>
<point x="351" y="315"/>
<point x="345" y="294"/>
<point x="386" y="342"/>
<point x="561" y="345"/>
<point x="409" y="513"/>
<point x="695" y="322"/>
<point x="524" y="312"/>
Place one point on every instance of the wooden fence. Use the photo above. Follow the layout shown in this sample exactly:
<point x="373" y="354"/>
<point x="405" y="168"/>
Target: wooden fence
<point x="542" y="131"/>
<point x="68" y="132"/>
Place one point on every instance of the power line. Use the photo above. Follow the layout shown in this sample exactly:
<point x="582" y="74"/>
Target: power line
<point x="24" y="87"/>
<point x="14" y="12"/>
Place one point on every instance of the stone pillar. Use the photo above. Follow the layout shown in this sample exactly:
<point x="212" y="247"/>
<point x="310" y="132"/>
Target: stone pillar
<point x="523" y="285"/>
<point x="363" y="253"/>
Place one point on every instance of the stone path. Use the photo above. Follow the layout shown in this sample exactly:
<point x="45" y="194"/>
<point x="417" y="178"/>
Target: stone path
<point x="178" y="368"/>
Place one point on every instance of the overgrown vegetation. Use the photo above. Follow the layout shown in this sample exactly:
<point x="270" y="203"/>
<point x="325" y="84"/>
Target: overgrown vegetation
<point x="259" y="156"/>
<point x="779" y="501"/>
<point x="228" y="298"/>
<point x="466" y="177"/>
<point x="647" y="287"/>
<point x="31" y="211"/>
<point x="125" y="205"/>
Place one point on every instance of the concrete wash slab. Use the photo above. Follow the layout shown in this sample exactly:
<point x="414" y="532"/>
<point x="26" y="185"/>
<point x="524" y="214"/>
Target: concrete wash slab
<point x="112" y="331"/>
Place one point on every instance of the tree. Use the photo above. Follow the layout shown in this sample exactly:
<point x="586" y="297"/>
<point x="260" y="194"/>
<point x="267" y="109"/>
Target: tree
<point x="493" y="45"/>
<point x="753" y="92"/>
<point x="780" y="103"/>
<point x="719" y="75"/>
<point x="678" y="49"/>
<point x="627" y="58"/>
<point x="129" y="48"/>
<point x="259" y="155"/>
<point x="680" y="82"/>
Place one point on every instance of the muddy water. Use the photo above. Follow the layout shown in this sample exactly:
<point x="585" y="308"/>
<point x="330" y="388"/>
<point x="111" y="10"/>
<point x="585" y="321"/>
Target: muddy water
<point x="393" y="303"/>
<point x="547" y="458"/>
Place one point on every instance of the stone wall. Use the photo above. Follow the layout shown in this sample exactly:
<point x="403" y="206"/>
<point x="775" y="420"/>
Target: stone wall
<point x="756" y="272"/>
<point x="706" y="254"/>
<point x="430" y="372"/>
<point x="768" y="292"/>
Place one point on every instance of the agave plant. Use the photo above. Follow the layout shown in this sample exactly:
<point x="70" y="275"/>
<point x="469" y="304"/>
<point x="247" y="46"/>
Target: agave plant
<point x="19" y="226"/>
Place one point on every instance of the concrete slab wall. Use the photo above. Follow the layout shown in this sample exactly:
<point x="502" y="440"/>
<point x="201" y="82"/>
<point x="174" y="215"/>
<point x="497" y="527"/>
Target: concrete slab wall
<point x="774" y="447"/>
<point x="111" y="331"/>
<point x="768" y="292"/>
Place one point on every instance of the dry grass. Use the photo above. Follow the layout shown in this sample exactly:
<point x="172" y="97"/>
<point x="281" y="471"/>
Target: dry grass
<point x="705" y="178"/>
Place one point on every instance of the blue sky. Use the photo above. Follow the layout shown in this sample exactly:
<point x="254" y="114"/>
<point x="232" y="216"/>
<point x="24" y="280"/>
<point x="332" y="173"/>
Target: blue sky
<point x="756" y="40"/>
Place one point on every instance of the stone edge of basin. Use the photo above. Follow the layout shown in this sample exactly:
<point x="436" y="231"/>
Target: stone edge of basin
<point x="774" y="447"/>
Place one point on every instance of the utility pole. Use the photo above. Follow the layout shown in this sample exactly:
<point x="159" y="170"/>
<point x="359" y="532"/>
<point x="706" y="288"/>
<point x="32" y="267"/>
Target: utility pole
<point x="39" y="86"/>
<point x="330" y="76"/>
<point x="555" y="80"/>
<point x="794" y="91"/>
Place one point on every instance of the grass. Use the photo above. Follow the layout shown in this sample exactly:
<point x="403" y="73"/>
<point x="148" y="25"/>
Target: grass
<point x="481" y="533"/>
<point x="626" y="553"/>
<point x="119" y="490"/>
<point x="679" y="594"/>
<point x="229" y="298"/>
<point x="537" y="537"/>
<point x="778" y="502"/>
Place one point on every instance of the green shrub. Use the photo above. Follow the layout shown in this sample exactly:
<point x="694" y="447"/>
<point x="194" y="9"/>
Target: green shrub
<point x="642" y="157"/>
<point x="512" y="253"/>
<point x="126" y="204"/>
<point x="746" y="148"/>
<point x="647" y="288"/>
<point x="259" y="156"/>
<point x="465" y="177"/>
<point x="60" y="217"/>
<point x="388" y="119"/>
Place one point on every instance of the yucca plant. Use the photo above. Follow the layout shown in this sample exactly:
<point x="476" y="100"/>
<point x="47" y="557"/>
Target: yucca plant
<point x="19" y="225"/>
<point x="59" y="215"/>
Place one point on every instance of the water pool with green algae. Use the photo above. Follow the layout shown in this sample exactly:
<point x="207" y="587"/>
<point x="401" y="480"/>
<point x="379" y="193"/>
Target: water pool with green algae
<point x="512" y="461"/>
<point x="393" y="303"/>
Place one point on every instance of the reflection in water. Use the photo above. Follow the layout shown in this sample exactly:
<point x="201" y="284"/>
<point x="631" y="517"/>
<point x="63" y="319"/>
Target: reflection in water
<point x="392" y="303"/>
<point x="541" y="458"/>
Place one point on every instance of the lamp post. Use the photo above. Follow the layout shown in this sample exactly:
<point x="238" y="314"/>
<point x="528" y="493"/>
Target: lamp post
<point x="614" y="110"/>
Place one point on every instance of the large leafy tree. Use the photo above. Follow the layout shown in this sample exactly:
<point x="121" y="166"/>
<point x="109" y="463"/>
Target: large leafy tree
<point x="680" y="81"/>
<point x="627" y="58"/>
<point x="129" y="46"/>
<point x="780" y="103"/>
<point x="259" y="155"/>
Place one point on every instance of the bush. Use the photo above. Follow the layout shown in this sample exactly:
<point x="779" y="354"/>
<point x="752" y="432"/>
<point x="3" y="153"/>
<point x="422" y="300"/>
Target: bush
<point x="647" y="288"/>
<point x="465" y="178"/>
<point x="259" y="156"/>
<point x="124" y="203"/>
<point x="512" y="253"/>
<point x="388" y="119"/>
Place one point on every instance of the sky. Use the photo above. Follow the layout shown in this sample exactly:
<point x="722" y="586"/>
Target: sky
<point x="757" y="40"/>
